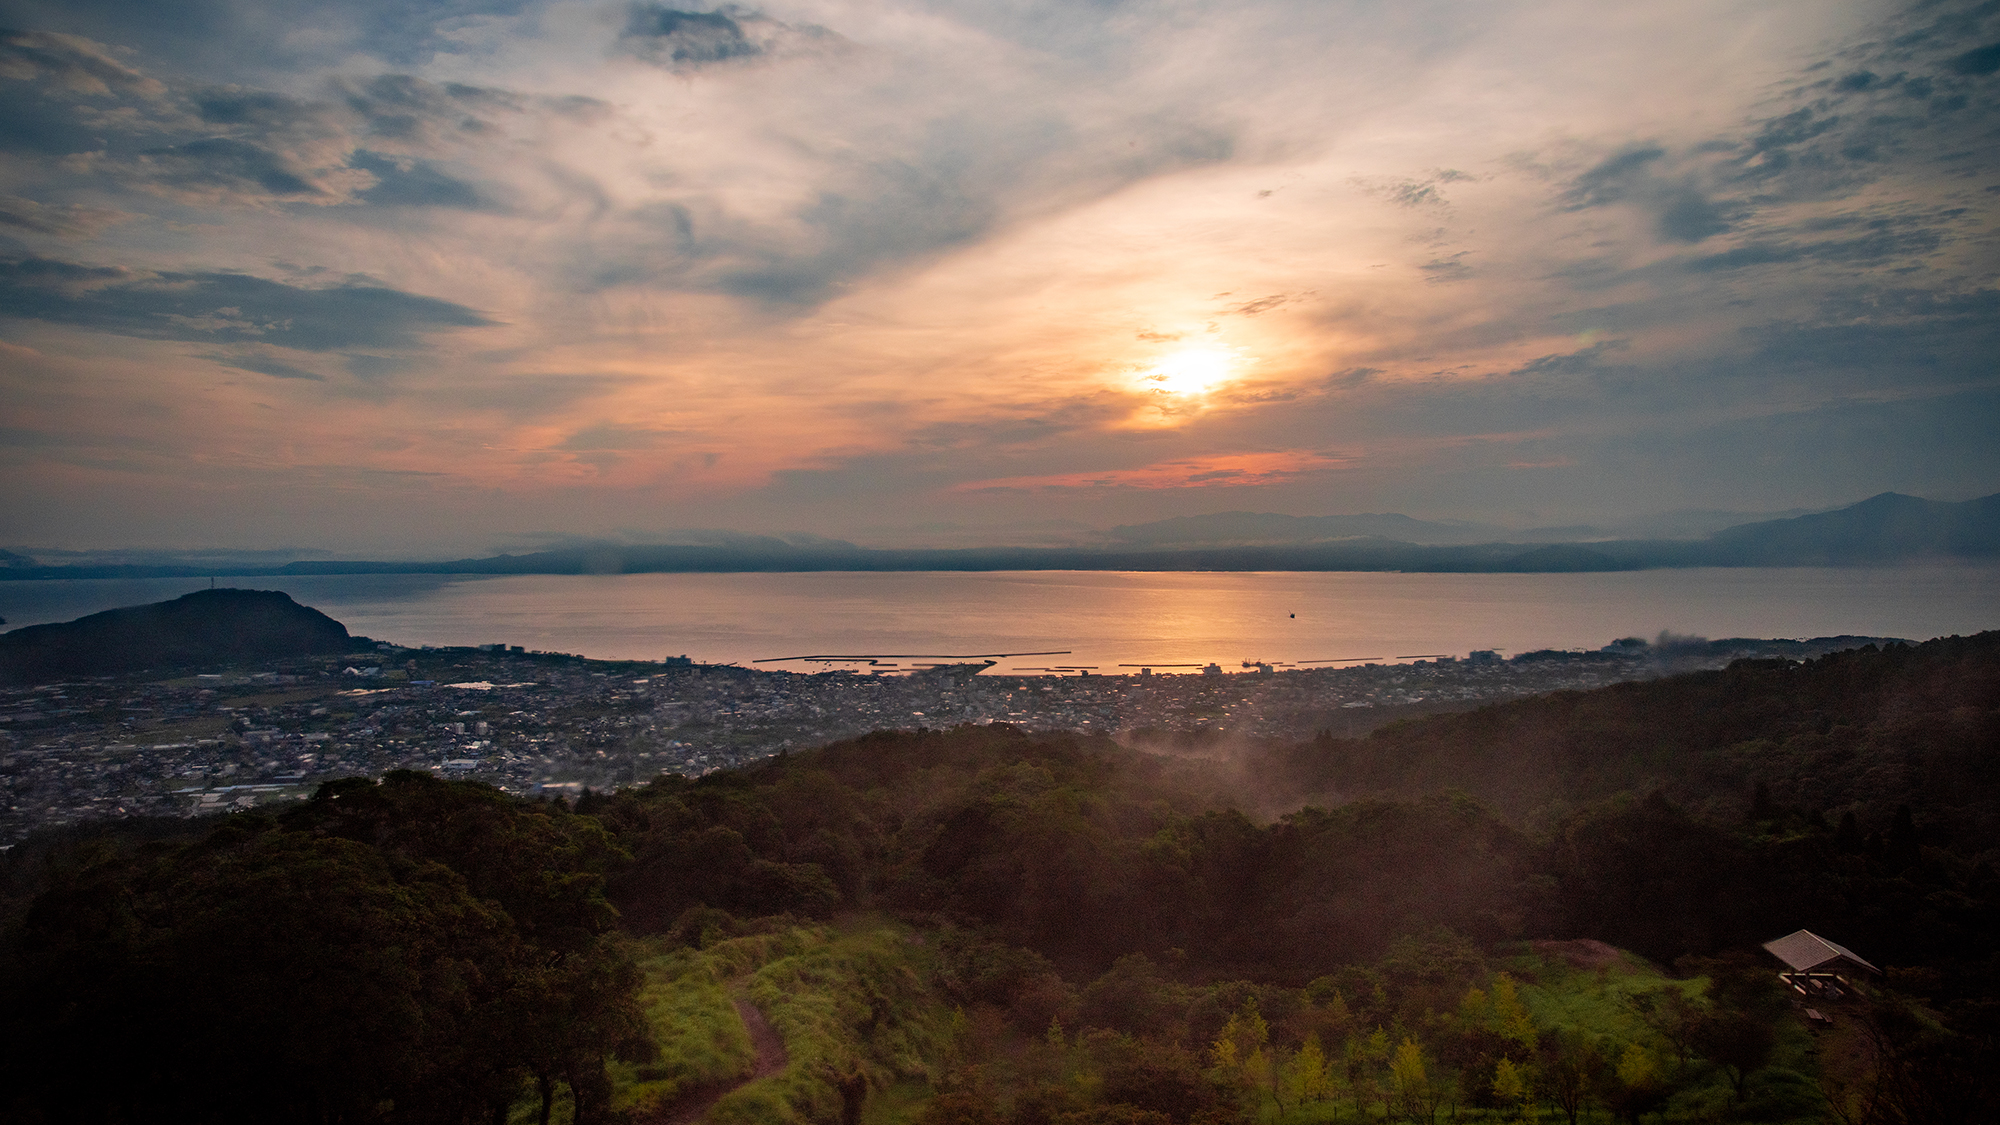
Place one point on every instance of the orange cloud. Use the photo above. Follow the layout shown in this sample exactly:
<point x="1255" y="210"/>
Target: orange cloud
<point x="1225" y="471"/>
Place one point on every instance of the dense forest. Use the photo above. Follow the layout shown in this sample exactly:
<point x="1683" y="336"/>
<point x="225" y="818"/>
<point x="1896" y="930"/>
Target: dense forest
<point x="1551" y="906"/>
<point x="1862" y="731"/>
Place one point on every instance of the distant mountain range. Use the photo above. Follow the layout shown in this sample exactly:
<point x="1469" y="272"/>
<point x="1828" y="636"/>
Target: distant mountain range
<point x="1884" y="530"/>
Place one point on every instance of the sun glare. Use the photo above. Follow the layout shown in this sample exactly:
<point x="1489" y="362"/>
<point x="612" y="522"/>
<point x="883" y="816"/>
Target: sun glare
<point x="1193" y="372"/>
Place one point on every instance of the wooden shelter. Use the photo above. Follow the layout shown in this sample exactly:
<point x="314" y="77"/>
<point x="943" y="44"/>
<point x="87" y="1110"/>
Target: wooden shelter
<point x="1813" y="964"/>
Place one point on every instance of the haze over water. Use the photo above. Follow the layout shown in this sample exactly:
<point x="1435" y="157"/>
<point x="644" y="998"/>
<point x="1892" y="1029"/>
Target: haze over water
<point x="1105" y="619"/>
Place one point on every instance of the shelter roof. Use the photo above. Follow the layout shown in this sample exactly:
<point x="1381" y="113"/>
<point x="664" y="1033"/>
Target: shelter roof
<point x="1805" y="951"/>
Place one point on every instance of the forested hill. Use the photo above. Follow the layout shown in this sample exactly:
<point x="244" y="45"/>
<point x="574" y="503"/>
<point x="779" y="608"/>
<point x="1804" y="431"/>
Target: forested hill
<point x="1858" y="732"/>
<point x="199" y="629"/>
<point x="432" y="947"/>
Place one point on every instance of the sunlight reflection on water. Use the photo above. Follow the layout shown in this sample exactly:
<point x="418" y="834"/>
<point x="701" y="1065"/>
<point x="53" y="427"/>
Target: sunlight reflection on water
<point x="1104" y="618"/>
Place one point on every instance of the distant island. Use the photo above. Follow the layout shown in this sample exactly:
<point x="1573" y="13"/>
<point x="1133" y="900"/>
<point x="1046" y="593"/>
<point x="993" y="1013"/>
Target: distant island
<point x="1886" y="530"/>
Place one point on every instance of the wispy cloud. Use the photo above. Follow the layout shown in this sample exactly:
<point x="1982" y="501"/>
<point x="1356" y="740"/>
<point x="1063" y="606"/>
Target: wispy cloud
<point x="792" y="266"/>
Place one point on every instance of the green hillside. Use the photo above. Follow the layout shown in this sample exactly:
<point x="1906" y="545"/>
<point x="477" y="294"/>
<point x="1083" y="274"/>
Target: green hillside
<point x="1547" y="908"/>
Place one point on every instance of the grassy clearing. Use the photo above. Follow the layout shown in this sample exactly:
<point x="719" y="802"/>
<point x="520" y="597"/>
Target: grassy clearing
<point x="858" y="1015"/>
<point x="1597" y="1002"/>
<point x="701" y="1038"/>
<point x="854" y="1006"/>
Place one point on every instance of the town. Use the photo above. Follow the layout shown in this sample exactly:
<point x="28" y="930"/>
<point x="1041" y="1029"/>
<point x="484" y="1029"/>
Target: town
<point x="556" y="725"/>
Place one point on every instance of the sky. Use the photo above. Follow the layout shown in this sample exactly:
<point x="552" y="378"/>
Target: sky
<point x="430" y="277"/>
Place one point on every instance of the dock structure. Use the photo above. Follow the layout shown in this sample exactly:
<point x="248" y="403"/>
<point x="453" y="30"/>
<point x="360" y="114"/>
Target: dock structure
<point x="1813" y="964"/>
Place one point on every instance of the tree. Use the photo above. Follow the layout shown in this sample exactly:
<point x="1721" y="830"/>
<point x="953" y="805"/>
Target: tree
<point x="965" y="1100"/>
<point x="1668" y="1011"/>
<point x="1157" y="1077"/>
<point x="1305" y="1077"/>
<point x="423" y="944"/>
<point x="1926" y="1073"/>
<point x="1510" y="1016"/>
<point x="1510" y="1085"/>
<point x="571" y="997"/>
<point x="1737" y="1041"/>
<point x="1411" y="1081"/>
<point x="1364" y="1056"/>
<point x="1847" y="837"/>
<point x="1762" y="808"/>
<point x="1240" y="1051"/>
<point x="1634" y="1085"/>
<point x="278" y="976"/>
<point x="1901" y="850"/>
<point x="1570" y="1068"/>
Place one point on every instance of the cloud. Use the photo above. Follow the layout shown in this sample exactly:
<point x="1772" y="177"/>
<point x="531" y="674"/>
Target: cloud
<point x="927" y="252"/>
<point x="527" y="396"/>
<point x="401" y="109"/>
<point x="1885" y="241"/>
<point x="1912" y="338"/>
<point x="63" y="94"/>
<point x="380" y="142"/>
<point x="1978" y="62"/>
<point x="685" y="39"/>
<point x="237" y="105"/>
<point x="231" y="165"/>
<point x="410" y="182"/>
<point x="1588" y="360"/>
<point x="222" y="307"/>
<point x="1258" y="306"/>
<point x="986" y="436"/>
<point x="1450" y="267"/>
<point x="61" y="220"/>
<point x="865" y="214"/>
<point x="1232" y="470"/>
<point x="71" y="65"/>
<point x="688" y="40"/>
<point x="264" y="365"/>
<point x="207" y="143"/>
<point x="1427" y="191"/>
<point x="611" y="437"/>
<point x="280" y="35"/>
<point x="1680" y="211"/>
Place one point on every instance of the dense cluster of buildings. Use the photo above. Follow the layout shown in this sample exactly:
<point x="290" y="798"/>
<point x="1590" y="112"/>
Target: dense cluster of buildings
<point x="539" y="723"/>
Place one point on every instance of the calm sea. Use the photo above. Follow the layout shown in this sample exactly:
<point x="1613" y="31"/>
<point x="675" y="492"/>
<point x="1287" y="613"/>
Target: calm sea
<point x="1100" y="619"/>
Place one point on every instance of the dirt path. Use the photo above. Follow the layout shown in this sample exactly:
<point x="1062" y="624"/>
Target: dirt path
<point x="771" y="1058"/>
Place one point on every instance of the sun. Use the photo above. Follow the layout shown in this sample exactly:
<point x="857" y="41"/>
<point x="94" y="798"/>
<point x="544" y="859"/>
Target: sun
<point x="1193" y="371"/>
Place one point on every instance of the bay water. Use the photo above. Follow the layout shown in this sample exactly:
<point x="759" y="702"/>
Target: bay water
<point x="1109" y="621"/>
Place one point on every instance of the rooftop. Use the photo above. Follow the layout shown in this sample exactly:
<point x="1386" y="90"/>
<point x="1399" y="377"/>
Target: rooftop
<point x="1805" y="951"/>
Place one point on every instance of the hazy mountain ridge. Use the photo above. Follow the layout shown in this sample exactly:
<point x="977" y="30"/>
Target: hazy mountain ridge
<point x="1887" y="529"/>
